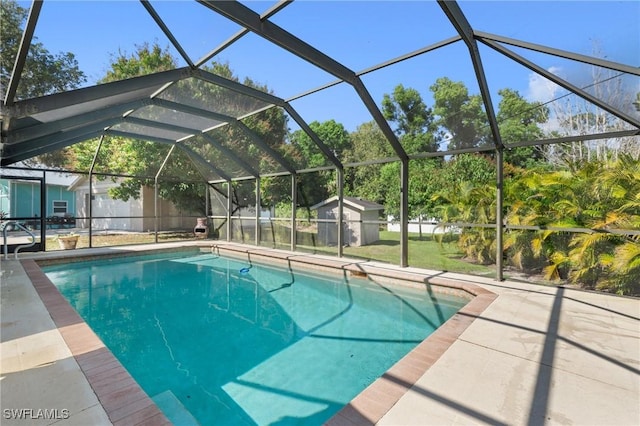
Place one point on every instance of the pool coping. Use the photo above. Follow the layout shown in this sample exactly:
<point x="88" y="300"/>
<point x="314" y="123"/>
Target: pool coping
<point x="124" y="400"/>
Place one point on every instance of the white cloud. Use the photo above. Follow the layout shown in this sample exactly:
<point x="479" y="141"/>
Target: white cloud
<point x="540" y="89"/>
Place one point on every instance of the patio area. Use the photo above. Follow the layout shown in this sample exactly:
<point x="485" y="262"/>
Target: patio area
<point x="535" y="355"/>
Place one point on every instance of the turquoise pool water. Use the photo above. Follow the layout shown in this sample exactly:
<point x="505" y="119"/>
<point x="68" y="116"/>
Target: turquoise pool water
<point x="219" y="341"/>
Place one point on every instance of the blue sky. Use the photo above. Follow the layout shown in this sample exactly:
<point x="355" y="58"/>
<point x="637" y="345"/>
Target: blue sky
<point x="360" y="34"/>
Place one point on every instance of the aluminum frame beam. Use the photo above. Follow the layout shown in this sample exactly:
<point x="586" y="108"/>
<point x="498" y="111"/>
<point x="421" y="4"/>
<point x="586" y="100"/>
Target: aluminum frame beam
<point x="46" y="143"/>
<point x="195" y="157"/>
<point x="246" y="17"/>
<point x="196" y="132"/>
<point x="452" y="10"/>
<point x="24" y="155"/>
<point x="274" y="154"/>
<point x="590" y="60"/>
<point x="305" y="127"/>
<point x="141" y="136"/>
<point x="239" y="161"/>
<point x="52" y="127"/>
<point x="272" y="100"/>
<point x="577" y="138"/>
<point x="561" y="82"/>
<point x="23" y="51"/>
<point x="167" y="32"/>
<point x="100" y="92"/>
<point x="230" y="121"/>
<point x="459" y="21"/>
<point x="237" y="36"/>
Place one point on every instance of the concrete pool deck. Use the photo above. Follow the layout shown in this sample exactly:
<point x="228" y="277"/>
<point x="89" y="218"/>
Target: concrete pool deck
<point x="534" y="355"/>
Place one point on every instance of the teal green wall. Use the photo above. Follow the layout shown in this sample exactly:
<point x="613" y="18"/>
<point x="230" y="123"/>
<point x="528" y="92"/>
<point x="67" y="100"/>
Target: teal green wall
<point x="24" y="199"/>
<point x="4" y="196"/>
<point x="60" y="193"/>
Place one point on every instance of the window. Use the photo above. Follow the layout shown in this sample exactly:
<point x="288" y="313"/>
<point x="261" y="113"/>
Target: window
<point x="59" y="207"/>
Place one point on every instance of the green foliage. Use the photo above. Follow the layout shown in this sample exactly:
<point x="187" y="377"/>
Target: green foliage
<point x="367" y="143"/>
<point x="317" y="186"/>
<point x="470" y="202"/>
<point x="44" y="73"/>
<point x="331" y="133"/>
<point x="460" y="115"/>
<point x="414" y="121"/>
<point x="145" y="60"/>
<point x="599" y="196"/>
<point x="181" y="179"/>
<point x="519" y="121"/>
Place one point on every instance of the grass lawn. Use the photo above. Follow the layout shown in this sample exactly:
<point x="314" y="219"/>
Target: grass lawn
<point x="424" y="252"/>
<point x="101" y="239"/>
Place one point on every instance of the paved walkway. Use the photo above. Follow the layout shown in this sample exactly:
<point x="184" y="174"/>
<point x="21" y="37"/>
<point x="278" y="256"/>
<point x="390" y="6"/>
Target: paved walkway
<point x="536" y="355"/>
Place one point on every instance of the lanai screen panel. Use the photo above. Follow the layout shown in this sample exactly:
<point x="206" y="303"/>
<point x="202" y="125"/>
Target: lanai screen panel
<point x="209" y="97"/>
<point x="154" y="132"/>
<point x="250" y="147"/>
<point x="176" y="118"/>
<point x="213" y="152"/>
<point x="78" y="108"/>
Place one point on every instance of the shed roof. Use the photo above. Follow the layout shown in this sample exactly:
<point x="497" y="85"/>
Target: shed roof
<point x="353" y="202"/>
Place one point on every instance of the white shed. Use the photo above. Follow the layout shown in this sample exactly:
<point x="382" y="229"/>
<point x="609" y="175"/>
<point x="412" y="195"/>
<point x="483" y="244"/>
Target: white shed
<point x="356" y="213"/>
<point x="134" y="215"/>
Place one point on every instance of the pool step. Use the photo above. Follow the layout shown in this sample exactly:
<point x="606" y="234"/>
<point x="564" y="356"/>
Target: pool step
<point x="173" y="409"/>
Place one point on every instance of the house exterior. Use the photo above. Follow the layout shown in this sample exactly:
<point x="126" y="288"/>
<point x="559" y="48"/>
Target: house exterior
<point x="20" y="197"/>
<point x="137" y="215"/>
<point x="356" y="212"/>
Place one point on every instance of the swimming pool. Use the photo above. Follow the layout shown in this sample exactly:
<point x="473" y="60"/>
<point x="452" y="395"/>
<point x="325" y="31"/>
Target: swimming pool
<point x="218" y="340"/>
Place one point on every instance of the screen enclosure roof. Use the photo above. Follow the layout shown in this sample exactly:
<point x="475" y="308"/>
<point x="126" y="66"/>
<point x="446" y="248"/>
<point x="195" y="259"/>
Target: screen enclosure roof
<point x="204" y="116"/>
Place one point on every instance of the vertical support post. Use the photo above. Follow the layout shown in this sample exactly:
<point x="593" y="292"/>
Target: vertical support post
<point x="404" y="213"/>
<point x="155" y="209"/>
<point x="90" y="206"/>
<point x="207" y="202"/>
<point x="340" y="178"/>
<point x="90" y="209"/>
<point x="499" y="213"/>
<point x="43" y="213"/>
<point x="229" y="207"/>
<point x="257" y="211"/>
<point x="294" y="204"/>
<point x="155" y="192"/>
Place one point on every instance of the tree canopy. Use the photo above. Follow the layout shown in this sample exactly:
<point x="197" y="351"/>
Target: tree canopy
<point x="44" y="72"/>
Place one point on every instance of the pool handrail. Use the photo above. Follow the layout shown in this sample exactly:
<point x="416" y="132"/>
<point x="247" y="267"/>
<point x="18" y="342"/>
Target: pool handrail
<point x="4" y="238"/>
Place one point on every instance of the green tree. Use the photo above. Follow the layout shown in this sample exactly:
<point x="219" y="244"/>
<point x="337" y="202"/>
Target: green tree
<point x="44" y="73"/>
<point x="367" y="143"/>
<point x="414" y="120"/>
<point x="181" y="181"/>
<point x="519" y="121"/>
<point x="459" y="114"/>
<point x="331" y="133"/>
<point x="317" y="186"/>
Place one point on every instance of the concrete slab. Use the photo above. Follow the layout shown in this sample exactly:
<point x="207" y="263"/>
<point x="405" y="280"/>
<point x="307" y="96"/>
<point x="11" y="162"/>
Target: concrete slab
<point x="536" y="355"/>
<point x="36" y="364"/>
